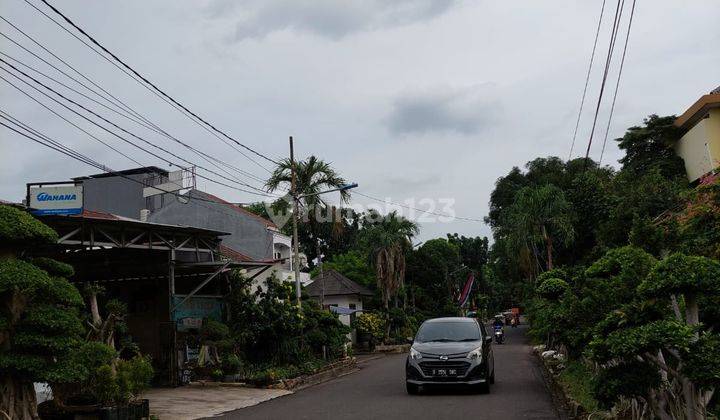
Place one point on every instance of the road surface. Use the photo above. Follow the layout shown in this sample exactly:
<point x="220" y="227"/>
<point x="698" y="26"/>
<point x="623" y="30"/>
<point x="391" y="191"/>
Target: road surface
<point x="377" y="391"/>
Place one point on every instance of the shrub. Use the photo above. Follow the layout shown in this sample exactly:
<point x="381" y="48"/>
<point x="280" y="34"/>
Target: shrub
<point x="231" y="364"/>
<point x="214" y="330"/>
<point x="552" y="288"/>
<point x="133" y="377"/>
<point x="18" y="229"/>
<point x="370" y="323"/>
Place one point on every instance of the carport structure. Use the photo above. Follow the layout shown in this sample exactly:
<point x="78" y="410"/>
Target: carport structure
<point x="171" y="277"/>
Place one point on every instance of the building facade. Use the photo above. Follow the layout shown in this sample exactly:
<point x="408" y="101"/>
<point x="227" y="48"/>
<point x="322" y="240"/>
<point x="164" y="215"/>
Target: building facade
<point x="699" y="145"/>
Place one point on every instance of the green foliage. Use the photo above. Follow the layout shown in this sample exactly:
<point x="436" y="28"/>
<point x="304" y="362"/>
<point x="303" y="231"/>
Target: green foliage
<point x="552" y="288"/>
<point x="697" y="224"/>
<point x="23" y="277"/>
<point x="370" y="323"/>
<point x="214" y="331"/>
<point x="18" y="229"/>
<point x="555" y="273"/>
<point x="106" y="389"/>
<point x="702" y="361"/>
<point x="231" y="364"/>
<point x="133" y="377"/>
<point x="629" y="379"/>
<point x="682" y="274"/>
<point x="473" y="250"/>
<point x="649" y="147"/>
<point x="40" y="326"/>
<point x="53" y="267"/>
<point x="577" y="380"/>
<point x="267" y="326"/>
<point x="353" y="265"/>
<point x="648" y="338"/>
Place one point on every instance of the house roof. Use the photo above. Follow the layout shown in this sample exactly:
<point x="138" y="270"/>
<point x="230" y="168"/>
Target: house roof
<point x="335" y="284"/>
<point x="235" y="207"/>
<point x="90" y="215"/>
<point x="698" y="110"/>
<point x="233" y="254"/>
<point x="133" y="171"/>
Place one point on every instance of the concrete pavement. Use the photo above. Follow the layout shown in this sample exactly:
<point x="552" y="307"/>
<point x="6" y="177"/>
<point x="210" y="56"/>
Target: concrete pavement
<point x="377" y="391"/>
<point x="193" y="402"/>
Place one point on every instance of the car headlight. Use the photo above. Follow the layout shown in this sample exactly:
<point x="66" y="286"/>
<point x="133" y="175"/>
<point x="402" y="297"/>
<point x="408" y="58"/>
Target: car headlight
<point x="475" y="354"/>
<point x="414" y="354"/>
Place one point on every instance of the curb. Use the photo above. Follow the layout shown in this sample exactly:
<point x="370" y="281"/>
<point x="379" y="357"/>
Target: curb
<point x="567" y="408"/>
<point x="335" y="370"/>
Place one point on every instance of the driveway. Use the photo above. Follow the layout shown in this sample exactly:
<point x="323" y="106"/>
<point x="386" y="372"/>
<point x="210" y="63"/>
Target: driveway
<point x="377" y="391"/>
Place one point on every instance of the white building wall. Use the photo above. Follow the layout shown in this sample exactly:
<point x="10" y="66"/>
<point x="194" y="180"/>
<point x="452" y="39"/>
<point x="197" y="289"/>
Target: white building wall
<point x="344" y="301"/>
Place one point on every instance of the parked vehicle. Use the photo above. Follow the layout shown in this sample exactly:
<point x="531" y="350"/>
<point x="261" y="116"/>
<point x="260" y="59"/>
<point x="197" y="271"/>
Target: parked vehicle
<point x="450" y="351"/>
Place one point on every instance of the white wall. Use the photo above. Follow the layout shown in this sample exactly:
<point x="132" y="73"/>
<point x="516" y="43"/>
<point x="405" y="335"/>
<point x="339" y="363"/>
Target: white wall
<point x="344" y="301"/>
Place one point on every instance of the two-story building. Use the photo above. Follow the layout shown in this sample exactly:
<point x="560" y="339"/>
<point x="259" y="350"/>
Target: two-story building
<point x="150" y="194"/>
<point x="699" y="145"/>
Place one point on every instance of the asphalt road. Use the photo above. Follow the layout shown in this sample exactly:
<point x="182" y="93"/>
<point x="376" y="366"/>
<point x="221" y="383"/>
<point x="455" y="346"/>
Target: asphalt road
<point x="377" y="391"/>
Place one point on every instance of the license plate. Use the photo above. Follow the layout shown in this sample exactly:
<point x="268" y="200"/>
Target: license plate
<point x="444" y="372"/>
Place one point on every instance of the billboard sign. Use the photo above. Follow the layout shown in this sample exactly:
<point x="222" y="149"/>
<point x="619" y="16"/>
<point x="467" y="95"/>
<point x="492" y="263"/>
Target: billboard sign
<point x="190" y="315"/>
<point x="56" y="200"/>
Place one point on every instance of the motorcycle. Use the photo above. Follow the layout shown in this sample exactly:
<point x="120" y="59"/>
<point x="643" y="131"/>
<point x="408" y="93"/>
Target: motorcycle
<point x="499" y="335"/>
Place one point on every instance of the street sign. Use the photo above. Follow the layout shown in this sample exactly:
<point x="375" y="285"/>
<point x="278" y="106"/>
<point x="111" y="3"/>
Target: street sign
<point x="56" y="200"/>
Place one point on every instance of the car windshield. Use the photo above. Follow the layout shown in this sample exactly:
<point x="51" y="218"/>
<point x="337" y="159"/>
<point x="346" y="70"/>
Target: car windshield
<point x="448" y="331"/>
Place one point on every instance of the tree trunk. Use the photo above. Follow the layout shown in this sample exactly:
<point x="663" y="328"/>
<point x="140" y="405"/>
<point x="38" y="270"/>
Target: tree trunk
<point x="548" y="247"/>
<point x="17" y="398"/>
<point x="691" y="310"/>
<point x="96" y="320"/>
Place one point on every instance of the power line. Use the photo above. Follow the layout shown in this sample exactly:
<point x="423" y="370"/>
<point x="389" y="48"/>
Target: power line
<point x="417" y="209"/>
<point x="123" y="106"/>
<point x="70" y="122"/>
<point x="613" y="34"/>
<point x="59" y="147"/>
<point x="148" y="82"/>
<point x="68" y="65"/>
<point x="262" y="193"/>
<point x="208" y="158"/>
<point x="587" y="79"/>
<point x="136" y="80"/>
<point x="617" y="83"/>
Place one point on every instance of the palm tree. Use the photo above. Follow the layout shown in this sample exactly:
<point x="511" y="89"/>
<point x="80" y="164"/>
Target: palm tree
<point x="540" y="216"/>
<point x="387" y="242"/>
<point x="312" y="176"/>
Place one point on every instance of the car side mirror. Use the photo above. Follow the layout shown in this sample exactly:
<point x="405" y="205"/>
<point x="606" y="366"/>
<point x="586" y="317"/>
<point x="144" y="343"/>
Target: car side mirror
<point x="409" y="340"/>
<point x="488" y="339"/>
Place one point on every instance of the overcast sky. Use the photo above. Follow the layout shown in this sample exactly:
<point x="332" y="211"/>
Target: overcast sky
<point x="412" y="99"/>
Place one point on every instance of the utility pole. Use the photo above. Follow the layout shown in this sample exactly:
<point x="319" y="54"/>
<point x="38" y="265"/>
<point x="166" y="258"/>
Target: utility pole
<point x="296" y="251"/>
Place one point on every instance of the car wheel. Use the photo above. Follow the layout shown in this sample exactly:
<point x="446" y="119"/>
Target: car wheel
<point x="412" y="389"/>
<point x="491" y="379"/>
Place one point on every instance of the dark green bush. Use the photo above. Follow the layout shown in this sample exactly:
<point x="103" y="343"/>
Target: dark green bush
<point x="18" y="229"/>
<point x="552" y="288"/>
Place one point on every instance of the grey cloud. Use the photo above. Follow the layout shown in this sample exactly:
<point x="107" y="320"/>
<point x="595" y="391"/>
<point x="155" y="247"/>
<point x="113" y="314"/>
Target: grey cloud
<point x="465" y="111"/>
<point x="328" y="18"/>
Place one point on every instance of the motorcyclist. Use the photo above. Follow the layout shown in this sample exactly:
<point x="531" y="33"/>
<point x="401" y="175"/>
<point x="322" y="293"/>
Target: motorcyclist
<point x="498" y="323"/>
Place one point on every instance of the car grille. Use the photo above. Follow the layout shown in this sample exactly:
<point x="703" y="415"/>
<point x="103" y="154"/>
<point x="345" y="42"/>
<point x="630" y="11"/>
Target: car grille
<point x="460" y="367"/>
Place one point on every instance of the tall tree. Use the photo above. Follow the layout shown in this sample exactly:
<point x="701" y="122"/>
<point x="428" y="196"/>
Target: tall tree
<point x="649" y="147"/>
<point x="312" y="176"/>
<point x="540" y="216"/>
<point x="387" y="240"/>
